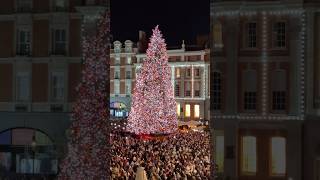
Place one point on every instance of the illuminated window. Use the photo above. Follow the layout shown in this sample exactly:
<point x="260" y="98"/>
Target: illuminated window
<point x="249" y="155"/>
<point x="178" y="109"/>
<point x="129" y="60"/>
<point x="178" y="73"/>
<point x="196" y="111"/>
<point x="217" y="35"/>
<point x="187" y="110"/>
<point x="278" y="154"/>
<point x="219" y="152"/>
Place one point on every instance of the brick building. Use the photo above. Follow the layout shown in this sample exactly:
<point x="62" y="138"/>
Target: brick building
<point x="265" y="88"/>
<point x="189" y="70"/>
<point x="40" y="62"/>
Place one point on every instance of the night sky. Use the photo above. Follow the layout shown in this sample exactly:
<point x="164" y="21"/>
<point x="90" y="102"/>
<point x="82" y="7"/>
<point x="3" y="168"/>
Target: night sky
<point x="177" y="19"/>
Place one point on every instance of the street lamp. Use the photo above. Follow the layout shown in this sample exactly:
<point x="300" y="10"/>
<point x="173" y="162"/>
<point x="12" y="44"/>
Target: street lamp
<point x="33" y="146"/>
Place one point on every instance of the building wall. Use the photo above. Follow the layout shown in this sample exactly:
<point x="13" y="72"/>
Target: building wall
<point x="232" y="58"/>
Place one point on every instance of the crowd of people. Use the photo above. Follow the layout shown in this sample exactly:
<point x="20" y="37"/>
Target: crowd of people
<point x="176" y="156"/>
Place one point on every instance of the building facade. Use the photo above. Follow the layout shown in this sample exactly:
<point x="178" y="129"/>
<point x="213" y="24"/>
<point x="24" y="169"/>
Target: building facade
<point x="265" y="90"/>
<point x="40" y="65"/>
<point x="190" y="80"/>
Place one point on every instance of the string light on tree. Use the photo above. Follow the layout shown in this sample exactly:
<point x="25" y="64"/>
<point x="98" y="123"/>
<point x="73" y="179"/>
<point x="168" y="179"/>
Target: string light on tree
<point x="88" y="150"/>
<point x="153" y="109"/>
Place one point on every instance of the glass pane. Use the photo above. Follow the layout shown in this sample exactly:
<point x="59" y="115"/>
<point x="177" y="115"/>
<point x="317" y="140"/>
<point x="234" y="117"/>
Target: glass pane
<point x="187" y="110"/>
<point x="249" y="155"/>
<point x="220" y="153"/>
<point x="22" y="136"/>
<point x="5" y="138"/>
<point x="278" y="146"/>
<point x="196" y="111"/>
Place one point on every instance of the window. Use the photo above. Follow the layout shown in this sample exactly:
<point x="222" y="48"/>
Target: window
<point x="279" y="90"/>
<point x="117" y="62"/>
<point x="178" y="75"/>
<point x="197" y="72"/>
<point x="129" y="60"/>
<point x="177" y="89"/>
<point x="216" y="91"/>
<point x="279" y="34"/>
<point x="57" y="86"/>
<point x="23" y="86"/>
<point x="252" y="35"/>
<point x="278" y="100"/>
<point x="197" y="111"/>
<point x="128" y="74"/>
<point x="128" y="89"/>
<point x="219" y="152"/>
<point x="59" y="42"/>
<point x="24" y="5"/>
<point x="178" y="109"/>
<point x="188" y="113"/>
<point x="217" y="35"/>
<point x="60" y="5"/>
<point x="278" y="154"/>
<point x="23" y="44"/>
<point x="250" y="89"/>
<point x="188" y="89"/>
<point x="116" y="88"/>
<point x="197" y="89"/>
<point x="249" y="155"/>
<point x="90" y="2"/>
<point x="250" y="100"/>
<point x="117" y="74"/>
<point x="188" y="72"/>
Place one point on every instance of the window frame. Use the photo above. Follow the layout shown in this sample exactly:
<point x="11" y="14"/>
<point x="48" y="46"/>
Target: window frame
<point x="61" y="75"/>
<point x="27" y="89"/>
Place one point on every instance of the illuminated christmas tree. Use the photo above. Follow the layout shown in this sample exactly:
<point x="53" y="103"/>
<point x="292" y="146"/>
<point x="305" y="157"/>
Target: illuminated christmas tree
<point x="88" y="149"/>
<point x="153" y="109"/>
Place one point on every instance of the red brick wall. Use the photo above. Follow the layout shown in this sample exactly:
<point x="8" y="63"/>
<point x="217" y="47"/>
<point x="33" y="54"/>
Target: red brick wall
<point x="6" y="39"/>
<point x="75" y="38"/>
<point x="6" y="81"/>
<point x="111" y="87"/>
<point x="122" y="87"/>
<point x="122" y="73"/>
<point x="41" y="38"/>
<point x="74" y="80"/>
<point x="39" y="82"/>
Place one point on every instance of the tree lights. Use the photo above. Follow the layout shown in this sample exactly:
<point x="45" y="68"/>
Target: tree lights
<point x="153" y="104"/>
<point x="87" y="156"/>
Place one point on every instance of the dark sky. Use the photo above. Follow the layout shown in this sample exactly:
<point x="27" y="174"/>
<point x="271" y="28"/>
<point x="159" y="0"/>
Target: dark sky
<point x="177" y="19"/>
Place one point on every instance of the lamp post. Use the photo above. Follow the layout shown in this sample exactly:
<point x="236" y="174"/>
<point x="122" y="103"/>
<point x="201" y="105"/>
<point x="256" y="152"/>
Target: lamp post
<point x="33" y="146"/>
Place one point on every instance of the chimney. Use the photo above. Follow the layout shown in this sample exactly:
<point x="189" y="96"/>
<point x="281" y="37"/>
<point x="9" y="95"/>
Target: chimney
<point x="143" y="43"/>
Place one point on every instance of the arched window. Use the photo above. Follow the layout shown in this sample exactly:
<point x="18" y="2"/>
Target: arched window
<point x="27" y="151"/>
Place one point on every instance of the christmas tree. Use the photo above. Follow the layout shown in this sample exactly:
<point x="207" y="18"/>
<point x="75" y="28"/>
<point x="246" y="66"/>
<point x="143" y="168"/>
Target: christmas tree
<point x="88" y="149"/>
<point x="153" y="104"/>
